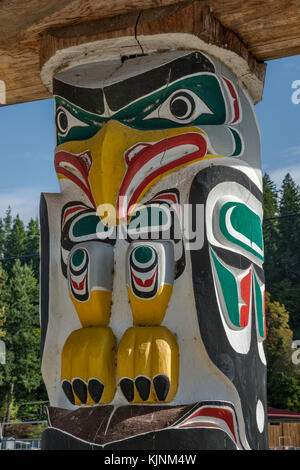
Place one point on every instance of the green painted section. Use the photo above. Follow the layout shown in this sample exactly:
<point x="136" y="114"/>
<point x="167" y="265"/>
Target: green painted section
<point x="205" y="86"/>
<point x="87" y="225"/>
<point x="238" y="142"/>
<point x="78" y="257"/>
<point x="143" y="254"/>
<point x="229" y="289"/>
<point x="259" y="301"/>
<point x="245" y="222"/>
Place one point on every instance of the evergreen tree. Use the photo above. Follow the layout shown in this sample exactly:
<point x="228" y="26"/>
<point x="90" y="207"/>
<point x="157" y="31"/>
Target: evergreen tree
<point x="2" y="238"/>
<point x="16" y="241"/>
<point x="270" y="228"/>
<point x="288" y="247"/>
<point x="282" y="277"/>
<point x="21" y="374"/>
<point x="32" y="245"/>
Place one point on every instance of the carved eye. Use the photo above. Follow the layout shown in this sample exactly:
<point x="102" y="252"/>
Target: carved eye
<point x="65" y="121"/>
<point x="61" y="121"/>
<point x="182" y="106"/>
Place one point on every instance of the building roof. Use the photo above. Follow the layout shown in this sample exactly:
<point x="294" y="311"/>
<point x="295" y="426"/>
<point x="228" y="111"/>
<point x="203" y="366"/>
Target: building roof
<point x="281" y="415"/>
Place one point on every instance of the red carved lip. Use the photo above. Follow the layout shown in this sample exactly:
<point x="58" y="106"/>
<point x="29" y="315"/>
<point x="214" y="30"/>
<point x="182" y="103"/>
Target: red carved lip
<point x="76" y="168"/>
<point x="130" y="191"/>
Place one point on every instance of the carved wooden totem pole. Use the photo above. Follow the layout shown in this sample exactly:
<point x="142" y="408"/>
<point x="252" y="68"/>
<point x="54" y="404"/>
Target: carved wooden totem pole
<point x="152" y="286"/>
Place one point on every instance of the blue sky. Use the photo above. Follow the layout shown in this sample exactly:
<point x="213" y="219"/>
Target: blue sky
<point x="27" y="141"/>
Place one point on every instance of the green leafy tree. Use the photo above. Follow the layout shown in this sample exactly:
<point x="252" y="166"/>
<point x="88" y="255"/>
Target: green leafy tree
<point x="283" y="376"/>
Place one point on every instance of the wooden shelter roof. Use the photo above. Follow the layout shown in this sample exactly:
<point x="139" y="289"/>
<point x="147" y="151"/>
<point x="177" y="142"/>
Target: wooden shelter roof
<point x="259" y="30"/>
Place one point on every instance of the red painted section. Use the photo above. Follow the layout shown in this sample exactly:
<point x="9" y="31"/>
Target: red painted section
<point x="71" y="211"/>
<point x="151" y="151"/>
<point x="220" y="413"/>
<point x="79" y="162"/>
<point x="80" y="285"/>
<point x="147" y="282"/>
<point x="246" y="294"/>
<point x="234" y="96"/>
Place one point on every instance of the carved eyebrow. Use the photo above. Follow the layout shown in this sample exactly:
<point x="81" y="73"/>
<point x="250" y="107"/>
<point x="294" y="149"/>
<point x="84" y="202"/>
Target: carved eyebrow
<point x="121" y="94"/>
<point x="89" y="99"/>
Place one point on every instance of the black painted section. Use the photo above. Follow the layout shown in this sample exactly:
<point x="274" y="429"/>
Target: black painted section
<point x="143" y="385"/>
<point x="80" y="389"/>
<point x="90" y="99"/>
<point x="167" y="439"/>
<point x="246" y="372"/>
<point x="121" y="94"/>
<point x="95" y="388"/>
<point x="162" y="386"/>
<point x="67" y="388"/>
<point x="127" y="387"/>
<point x="44" y="271"/>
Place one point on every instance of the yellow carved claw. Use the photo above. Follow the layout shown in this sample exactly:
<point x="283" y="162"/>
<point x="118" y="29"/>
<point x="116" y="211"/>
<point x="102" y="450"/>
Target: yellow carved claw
<point x="88" y="366"/>
<point x="148" y="365"/>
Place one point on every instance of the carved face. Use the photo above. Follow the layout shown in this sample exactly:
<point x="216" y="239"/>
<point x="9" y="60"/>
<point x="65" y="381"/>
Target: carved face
<point x="136" y="144"/>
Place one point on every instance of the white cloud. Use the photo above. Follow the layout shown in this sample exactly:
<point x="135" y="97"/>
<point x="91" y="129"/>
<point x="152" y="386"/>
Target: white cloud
<point x="23" y="201"/>
<point x="278" y="174"/>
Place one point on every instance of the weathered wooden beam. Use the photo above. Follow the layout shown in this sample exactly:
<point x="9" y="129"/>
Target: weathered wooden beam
<point x="181" y="25"/>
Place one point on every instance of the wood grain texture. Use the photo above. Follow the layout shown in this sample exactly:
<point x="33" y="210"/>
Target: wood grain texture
<point x="261" y="29"/>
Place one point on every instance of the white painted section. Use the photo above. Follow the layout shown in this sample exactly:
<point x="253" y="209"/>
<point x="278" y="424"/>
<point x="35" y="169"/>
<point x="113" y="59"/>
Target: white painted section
<point x="260" y="416"/>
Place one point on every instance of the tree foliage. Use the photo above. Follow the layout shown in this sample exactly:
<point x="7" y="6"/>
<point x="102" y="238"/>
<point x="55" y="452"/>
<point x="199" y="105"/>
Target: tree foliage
<point x="282" y="271"/>
<point x="20" y="377"/>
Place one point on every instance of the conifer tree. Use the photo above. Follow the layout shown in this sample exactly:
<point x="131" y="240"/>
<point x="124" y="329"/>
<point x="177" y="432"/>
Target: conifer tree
<point x="21" y="373"/>
<point x="270" y="228"/>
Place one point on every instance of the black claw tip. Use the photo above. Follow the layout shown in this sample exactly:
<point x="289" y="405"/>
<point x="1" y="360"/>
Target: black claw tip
<point x="67" y="388"/>
<point x="95" y="388"/>
<point x="162" y="386"/>
<point x="127" y="388"/>
<point x="143" y="385"/>
<point x="80" y="389"/>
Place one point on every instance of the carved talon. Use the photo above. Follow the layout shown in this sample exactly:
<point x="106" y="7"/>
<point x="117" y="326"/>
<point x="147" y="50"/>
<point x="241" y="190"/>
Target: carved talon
<point x="88" y="369"/>
<point x="148" y="365"/>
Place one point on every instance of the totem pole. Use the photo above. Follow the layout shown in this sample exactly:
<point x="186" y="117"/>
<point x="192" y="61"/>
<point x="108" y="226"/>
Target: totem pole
<point x="152" y="291"/>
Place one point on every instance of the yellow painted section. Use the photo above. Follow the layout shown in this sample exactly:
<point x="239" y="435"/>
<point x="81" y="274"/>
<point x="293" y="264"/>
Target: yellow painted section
<point x="149" y="351"/>
<point x="108" y="147"/>
<point x="89" y="353"/>
<point x="96" y="310"/>
<point x="150" y="311"/>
